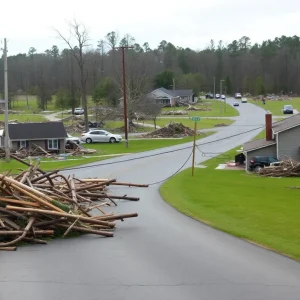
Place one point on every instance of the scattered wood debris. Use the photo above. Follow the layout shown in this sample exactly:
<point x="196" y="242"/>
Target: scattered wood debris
<point x="35" y="205"/>
<point x="172" y="130"/>
<point x="287" y="168"/>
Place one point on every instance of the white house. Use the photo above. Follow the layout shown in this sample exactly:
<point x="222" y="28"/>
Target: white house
<point x="169" y="97"/>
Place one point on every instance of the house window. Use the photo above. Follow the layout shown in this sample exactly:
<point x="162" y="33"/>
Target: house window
<point x="52" y="144"/>
<point x="23" y="144"/>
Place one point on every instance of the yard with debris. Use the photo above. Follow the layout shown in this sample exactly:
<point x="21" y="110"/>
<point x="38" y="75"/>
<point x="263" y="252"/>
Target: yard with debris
<point x="263" y="210"/>
<point x="211" y="108"/>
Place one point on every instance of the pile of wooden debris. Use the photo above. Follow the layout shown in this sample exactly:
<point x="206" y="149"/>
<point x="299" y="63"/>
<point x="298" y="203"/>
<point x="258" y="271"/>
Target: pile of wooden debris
<point x="172" y="130"/>
<point x="286" y="168"/>
<point x="35" y="205"/>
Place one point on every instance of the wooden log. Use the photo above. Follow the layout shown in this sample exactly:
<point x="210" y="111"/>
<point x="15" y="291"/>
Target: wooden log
<point x="17" y="232"/>
<point x="50" y="222"/>
<point x="8" y="248"/>
<point x="117" y="217"/>
<point x="61" y="214"/>
<point x="36" y="179"/>
<point x="104" y="195"/>
<point x="95" y="185"/>
<point x="19" y="202"/>
<point x="32" y="193"/>
<point x="87" y="230"/>
<point x="73" y="193"/>
<point x="114" y="183"/>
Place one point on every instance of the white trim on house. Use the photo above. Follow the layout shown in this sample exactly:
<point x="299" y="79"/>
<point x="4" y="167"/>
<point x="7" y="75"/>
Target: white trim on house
<point x="59" y="138"/>
<point x="265" y="146"/>
<point x="285" y="129"/>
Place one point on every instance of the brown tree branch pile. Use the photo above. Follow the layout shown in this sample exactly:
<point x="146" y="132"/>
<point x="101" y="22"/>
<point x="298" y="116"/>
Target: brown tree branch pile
<point x="35" y="205"/>
<point x="173" y="130"/>
<point x="287" y="168"/>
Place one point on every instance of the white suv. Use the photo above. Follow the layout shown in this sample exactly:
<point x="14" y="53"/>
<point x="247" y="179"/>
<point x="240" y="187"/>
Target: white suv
<point x="238" y="96"/>
<point x="78" y="111"/>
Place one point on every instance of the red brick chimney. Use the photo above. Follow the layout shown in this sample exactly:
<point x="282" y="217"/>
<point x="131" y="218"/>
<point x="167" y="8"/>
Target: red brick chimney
<point x="269" y="133"/>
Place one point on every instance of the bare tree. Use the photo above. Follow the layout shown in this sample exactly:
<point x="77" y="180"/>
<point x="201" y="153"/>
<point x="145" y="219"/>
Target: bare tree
<point x="80" y="34"/>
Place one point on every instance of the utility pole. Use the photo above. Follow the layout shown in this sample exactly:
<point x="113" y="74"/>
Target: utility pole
<point x="221" y="96"/>
<point x="6" y="136"/>
<point x="214" y="88"/>
<point x="126" y="125"/>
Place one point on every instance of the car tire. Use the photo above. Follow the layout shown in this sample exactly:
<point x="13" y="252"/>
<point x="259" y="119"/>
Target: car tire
<point x="88" y="141"/>
<point x="257" y="169"/>
<point x="112" y="140"/>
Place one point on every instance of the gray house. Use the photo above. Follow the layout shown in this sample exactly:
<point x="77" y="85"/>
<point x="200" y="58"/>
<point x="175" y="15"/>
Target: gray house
<point x="282" y="140"/>
<point x="50" y="136"/>
<point x="2" y="104"/>
<point x="169" y="97"/>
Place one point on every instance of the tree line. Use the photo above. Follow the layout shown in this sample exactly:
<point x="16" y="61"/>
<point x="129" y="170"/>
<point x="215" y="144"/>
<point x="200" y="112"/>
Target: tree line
<point x="270" y="67"/>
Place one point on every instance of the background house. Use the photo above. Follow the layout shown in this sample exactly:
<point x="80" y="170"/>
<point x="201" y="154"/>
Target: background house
<point x="169" y="97"/>
<point x="49" y="135"/>
<point x="2" y="104"/>
<point x="282" y="140"/>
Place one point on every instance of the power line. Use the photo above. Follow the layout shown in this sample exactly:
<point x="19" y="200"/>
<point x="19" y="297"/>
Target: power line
<point x="156" y="154"/>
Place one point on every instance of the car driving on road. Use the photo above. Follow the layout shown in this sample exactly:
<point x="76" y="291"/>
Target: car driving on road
<point x="101" y="136"/>
<point x="217" y="96"/>
<point x="244" y="100"/>
<point x="78" y="111"/>
<point x="236" y="103"/>
<point x="223" y="97"/>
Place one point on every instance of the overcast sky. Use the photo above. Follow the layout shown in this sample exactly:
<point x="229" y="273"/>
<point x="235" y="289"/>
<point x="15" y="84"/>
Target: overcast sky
<point x="185" y="23"/>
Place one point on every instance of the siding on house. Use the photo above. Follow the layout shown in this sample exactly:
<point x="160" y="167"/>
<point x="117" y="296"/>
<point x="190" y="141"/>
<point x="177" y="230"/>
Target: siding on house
<point x="266" y="151"/>
<point x="289" y="143"/>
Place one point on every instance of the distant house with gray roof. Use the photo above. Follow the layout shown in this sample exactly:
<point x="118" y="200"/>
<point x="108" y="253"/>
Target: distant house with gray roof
<point x="169" y="97"/>
<point x="282" y="140"/>
<point x="50" y="136"/>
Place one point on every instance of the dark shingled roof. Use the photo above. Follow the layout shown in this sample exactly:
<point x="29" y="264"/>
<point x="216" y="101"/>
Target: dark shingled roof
<point x="177" y="93"/>
<point x="257" y="144"/>
<point x="286" y="124"/>
<point x="33" y="131"/>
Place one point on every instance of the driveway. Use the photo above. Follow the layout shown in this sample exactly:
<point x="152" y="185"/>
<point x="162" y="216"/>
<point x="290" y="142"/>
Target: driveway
<point x="162" y="254"/>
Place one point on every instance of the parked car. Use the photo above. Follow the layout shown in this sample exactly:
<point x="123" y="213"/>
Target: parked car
<point x="288" y="109"/>
<point x="73" y="139"/>
<point x="78" y="111"/>
<point x="258" y="162"/>
<point x="223" y="97"/>
<point x="217" y="96"/>
<point x="209" y="96"/>
<point x="244" y="100"/>
<point x="238" y="96"/>
<point x="236" y="104"/>
<point x="103" y="136"/>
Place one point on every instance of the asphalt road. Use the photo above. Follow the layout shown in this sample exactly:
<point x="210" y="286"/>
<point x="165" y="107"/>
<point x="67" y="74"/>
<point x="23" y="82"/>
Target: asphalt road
<point x="162" y="254"/>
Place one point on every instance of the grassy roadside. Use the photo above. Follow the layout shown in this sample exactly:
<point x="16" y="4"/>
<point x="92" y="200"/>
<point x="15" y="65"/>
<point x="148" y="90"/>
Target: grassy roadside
<point x="275" y="106"/>
<point x="104" y="151"/>
<point x="262" y="210"/>
<point x="24" y="118"/>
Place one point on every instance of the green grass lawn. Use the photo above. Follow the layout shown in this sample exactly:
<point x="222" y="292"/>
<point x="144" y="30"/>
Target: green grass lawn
<point x="262" y="210"/>
<point x="203" y="124"/>
<point x="275" y="106"/>
<point x="219" y="109"/>
<point x="102" y="149"/>
<point x="24" y="118"/>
